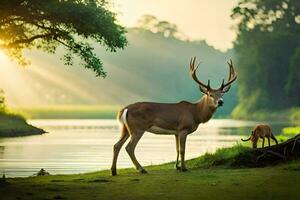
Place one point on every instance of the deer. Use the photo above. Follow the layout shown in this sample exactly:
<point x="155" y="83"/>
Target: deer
<point x="261" y="131"/>
<point x="179" y="119"/>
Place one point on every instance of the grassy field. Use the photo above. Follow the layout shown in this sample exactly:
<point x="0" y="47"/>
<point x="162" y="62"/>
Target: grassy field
<point x="15" y="125"/>
<point x="208" y="178"/>
<point x="69" y="112"/>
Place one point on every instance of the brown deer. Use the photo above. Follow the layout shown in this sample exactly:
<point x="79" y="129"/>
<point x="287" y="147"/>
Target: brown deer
<point x="179" y="119"/>
<point x="261" y="131"/>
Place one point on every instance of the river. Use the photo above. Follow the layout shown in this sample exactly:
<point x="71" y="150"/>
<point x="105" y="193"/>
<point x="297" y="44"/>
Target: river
<point x="79" y="146"/>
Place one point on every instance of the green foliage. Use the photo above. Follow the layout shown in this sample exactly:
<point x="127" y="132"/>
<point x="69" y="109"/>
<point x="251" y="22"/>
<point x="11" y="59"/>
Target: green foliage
<point x="165" y="28"/>
<point x="70" y="112"/>
<point x="222" y="157"/>
<point x="290" y="114"/>
<point x="12" y="125"/>
<point x="267" y="49"/>
<point x="2" y="102"/>
<point x="44" y="25"/>
<point x="291" y="130"/>
<point x="241" y="110"/>
<point x="293" y="85"/>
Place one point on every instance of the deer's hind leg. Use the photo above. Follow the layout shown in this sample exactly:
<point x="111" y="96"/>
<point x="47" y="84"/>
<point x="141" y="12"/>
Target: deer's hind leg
<point x="269" y="141"/>
<point x="177" y="151"/>
<point x="273" y="137"/>
<point x="116" y="149"/>
<point x="263" y="142"/>
<point x="135" y="137"/>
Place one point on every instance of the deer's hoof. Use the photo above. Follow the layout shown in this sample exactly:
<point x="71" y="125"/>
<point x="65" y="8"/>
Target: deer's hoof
<point x="143" y="171"/>
<point x="184" y="169"/>
<point x="177" y="167"/>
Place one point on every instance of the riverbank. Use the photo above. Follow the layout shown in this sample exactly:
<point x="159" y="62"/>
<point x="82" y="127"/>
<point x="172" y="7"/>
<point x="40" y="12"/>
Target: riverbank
<point x="70" y="112"/>
<point x="12" y="125"/>
<point x="291" y="114"/>
<point x="210" y="177"/>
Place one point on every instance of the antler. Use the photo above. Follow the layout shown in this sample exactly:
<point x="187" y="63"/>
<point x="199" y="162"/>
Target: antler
<point x="232" y="77"/>
<point x="194" y="76"/>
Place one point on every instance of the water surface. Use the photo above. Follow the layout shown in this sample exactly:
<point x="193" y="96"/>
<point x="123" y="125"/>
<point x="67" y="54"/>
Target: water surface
<point x="78" y="146"/>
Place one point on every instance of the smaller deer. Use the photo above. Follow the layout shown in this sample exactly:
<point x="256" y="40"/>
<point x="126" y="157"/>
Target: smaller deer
<point x="261" y="131"/>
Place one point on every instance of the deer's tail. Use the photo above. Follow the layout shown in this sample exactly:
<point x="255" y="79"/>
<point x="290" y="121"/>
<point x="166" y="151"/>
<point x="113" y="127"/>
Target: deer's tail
<point x="246" y="139"/>
<point x="122" y="117"/>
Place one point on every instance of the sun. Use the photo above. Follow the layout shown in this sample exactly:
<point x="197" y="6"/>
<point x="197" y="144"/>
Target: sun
<point x="3" y="57"/>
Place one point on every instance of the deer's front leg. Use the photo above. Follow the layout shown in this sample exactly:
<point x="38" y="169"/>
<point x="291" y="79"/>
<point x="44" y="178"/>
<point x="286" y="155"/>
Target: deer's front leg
<point x="177" y="152"/>
<point x="182" y="140"/>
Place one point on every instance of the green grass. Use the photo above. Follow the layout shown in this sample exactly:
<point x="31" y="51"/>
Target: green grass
<point x="291" y="130"/>
<point x="70" y="112"/>
<point x="12" y="125"/>
<point x="207" y="179"/>
<point x="222" y="157"/>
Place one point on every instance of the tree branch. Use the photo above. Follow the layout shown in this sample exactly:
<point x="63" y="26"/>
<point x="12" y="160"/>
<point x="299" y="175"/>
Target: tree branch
<point x="28" y="40"/>
<point x="63" y="43"/>
<point x="5" y="21"/>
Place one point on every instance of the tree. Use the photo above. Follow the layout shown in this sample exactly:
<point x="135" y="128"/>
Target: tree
<point x="293" y="85"/>
<point x="151" y="23"/>
<point x="73" y="24"/>
<point x="268" y="35"/>
<point x="2" y="102"/>
<point x="166" y="28"/>
<point x="148" y="22"/>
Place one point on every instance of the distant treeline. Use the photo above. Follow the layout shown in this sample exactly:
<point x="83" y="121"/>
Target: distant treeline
<point x="268" y="53"/>
<point x="69" y="112"/>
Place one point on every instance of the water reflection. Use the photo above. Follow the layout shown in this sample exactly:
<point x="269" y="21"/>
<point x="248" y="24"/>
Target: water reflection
<point x="77" y="146"/>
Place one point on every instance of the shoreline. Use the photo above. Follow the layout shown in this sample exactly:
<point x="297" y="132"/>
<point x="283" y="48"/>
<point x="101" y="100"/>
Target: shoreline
<point x="12" y="125"/>
<point x="207" y="178"/>
<point x="289" y="115"/>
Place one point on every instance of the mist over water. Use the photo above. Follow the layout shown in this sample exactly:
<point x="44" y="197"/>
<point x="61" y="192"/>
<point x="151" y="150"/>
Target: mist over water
<point x="79" y="146"/>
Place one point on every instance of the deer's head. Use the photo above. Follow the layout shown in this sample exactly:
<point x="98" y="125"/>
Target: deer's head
<point x="213" y="96"/>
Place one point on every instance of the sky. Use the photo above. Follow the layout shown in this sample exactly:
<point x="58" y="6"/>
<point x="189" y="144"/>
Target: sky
<point x="197" y="19"/>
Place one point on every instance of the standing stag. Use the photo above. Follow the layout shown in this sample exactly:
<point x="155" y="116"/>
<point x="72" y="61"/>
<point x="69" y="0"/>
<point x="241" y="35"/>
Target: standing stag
<point x="179" y="119"/>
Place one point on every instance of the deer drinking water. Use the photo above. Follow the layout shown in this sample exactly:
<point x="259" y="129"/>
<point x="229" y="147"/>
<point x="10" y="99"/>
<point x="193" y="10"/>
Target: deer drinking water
<point x="179" y="119"/>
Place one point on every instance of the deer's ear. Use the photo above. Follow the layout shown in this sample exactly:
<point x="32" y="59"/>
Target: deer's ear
<point x="203" y="89"/>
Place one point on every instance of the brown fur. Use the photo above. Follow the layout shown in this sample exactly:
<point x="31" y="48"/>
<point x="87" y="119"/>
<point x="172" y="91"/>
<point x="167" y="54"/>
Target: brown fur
<point x="179" y="116"/>
<point x="179" y="119"/>
<point x="261" y="131"/>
